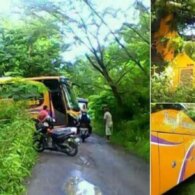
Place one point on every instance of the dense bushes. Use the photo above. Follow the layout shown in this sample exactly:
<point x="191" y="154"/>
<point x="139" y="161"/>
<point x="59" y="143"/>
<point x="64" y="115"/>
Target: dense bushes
<point x="162" y="90"/>
<point x="16" y="152"/>
<point x="131" y="134"/>
<point x="130" y="131"/>
<point x="134" y="135"/>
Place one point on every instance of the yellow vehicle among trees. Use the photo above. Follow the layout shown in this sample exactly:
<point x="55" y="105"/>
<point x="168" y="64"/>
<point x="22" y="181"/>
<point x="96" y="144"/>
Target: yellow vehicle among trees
<point x="58" y="96"/>
<point x="172" y="147"/>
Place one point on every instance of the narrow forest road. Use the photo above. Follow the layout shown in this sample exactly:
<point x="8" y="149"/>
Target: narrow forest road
<point x="98" y="169"/>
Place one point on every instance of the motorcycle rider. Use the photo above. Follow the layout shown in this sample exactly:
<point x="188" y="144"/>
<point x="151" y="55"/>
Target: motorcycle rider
<point x="46" y="138"/>
<point x="44" y="116"/>
<point x="84" y="118"/>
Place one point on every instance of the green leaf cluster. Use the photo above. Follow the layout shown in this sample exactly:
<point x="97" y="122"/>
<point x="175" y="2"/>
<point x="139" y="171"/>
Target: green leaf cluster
<point x="30" y="48"/>
<point x="17" y="155"/>
<point x="20" y="89"/>
<point x="131" y="83"/>
<point x="162" y="90"/>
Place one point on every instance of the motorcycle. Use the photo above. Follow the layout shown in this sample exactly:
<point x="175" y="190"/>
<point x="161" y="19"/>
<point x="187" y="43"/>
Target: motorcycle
<point x="63" y="139"/>
<point x="84" y="130"/>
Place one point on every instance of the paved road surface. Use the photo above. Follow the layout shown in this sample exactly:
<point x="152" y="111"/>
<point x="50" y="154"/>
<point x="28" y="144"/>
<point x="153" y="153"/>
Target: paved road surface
<point x="98" y="169"/>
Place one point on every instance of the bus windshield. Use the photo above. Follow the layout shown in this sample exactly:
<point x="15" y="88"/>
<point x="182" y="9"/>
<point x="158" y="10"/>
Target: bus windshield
<point x="71" y="99"/>
<point x="158" y="107"/>
<point x="188" y="109"/>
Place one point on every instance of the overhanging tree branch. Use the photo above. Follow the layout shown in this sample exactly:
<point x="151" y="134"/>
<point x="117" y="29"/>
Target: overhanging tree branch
<point x="121" y="77"/>
<point x="93" y="64"/>
<point x="135" y="31"/>
<point x="116" y="38"/>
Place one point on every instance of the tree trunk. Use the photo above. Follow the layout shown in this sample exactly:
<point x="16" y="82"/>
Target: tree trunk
<point x="114" y="88"/>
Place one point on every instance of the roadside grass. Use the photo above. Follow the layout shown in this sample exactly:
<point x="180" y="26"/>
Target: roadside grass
<point x="129" y="135"/>
<point x="17" y="155"/>
<point x="139" y="147"/>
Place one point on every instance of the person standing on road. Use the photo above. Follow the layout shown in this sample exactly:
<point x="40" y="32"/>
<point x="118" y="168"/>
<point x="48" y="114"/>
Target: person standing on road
<point x="108" y="123"/>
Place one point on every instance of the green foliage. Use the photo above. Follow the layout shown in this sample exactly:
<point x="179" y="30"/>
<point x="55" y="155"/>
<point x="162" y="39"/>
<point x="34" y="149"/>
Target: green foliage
<point x="132" y="85"/>
<point x="161" y="85"/>
<point x="183" y="21"/>
<point x="16" y="152"/>
<point x="185" y="188"/>
<point x="177" y="44"/>
<point x="189" y="48"/>
<point x="191" y="114"/>
<point x="30" y="48"/>
<point x="97" y="102"/>
<point x="162" y="90"/>
<point x="20" y="89"/>
<point x="132" y="133"/>
<point x="116" y="72"/>
<point x="183" y="10"/>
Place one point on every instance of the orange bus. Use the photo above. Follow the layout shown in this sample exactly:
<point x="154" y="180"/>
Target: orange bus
<point x="58" y="97"/>
<point x="172" y="146"/>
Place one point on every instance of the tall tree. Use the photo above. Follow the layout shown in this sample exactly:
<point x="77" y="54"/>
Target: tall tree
<point x="173" y="17"/>
<point x="87" y="31"/>
<point x="30" y="48"/>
